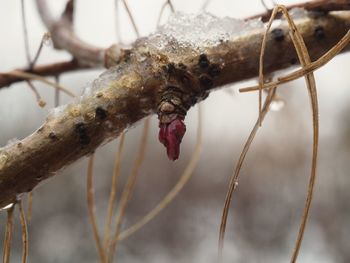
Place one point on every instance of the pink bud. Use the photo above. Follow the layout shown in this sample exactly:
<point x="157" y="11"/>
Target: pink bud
<point x="171" y="135"/>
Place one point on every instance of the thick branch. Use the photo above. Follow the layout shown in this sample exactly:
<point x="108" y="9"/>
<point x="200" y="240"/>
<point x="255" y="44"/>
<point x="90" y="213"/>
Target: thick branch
<point x="64" y="37"/>
<point x="125" y="94"/>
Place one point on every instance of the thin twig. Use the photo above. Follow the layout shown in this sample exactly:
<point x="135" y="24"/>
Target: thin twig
<point x="30" y="205"/>
<point x="128" y="190"/>
<point x="42" y="70"/>
<point x="38" y="98"/>
<point x="131" y="18"/>
<point x="234" y="177"/>
<point x="25" y="32"/>
<point x="113" y="193"/>
<point x="336" y="49"/>
<point x="24" y="232"/>
<point x="46" y="37"/>
<point x="321" y="6"/>
<point x="167" y="3"/>
<point x="32" y="76"/>
<point x="8" y="235"/>
<point x="304" y="58"/>
<point x="57" y="92"/>
<point x="92" y="209"/>
<point x="117" y="22"/>
<point x="186" y="175"/>
<point x="205" y="5"/>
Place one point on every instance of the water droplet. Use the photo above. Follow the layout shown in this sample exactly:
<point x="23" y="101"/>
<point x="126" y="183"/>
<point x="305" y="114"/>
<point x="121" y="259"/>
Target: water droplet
<point x="11" y="142"/>
<point x="108" y="125"/>
<point x="277" y="104"/>
<point x="235" y="185"/>
<point x="56" y="112"/>
<point x="39" y="178"/>
<point x="47" y="41"/>
<point x="7" y="207"/>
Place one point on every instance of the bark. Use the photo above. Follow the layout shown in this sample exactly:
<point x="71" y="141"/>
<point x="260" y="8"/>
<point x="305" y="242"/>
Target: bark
<point x="132" y="90"/>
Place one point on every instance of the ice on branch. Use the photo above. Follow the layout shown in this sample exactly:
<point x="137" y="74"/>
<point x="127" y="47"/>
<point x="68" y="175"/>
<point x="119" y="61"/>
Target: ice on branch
<point x="198" y="31"/>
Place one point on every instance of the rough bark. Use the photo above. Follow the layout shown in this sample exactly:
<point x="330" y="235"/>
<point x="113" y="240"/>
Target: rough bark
<point x="136" y="88"/>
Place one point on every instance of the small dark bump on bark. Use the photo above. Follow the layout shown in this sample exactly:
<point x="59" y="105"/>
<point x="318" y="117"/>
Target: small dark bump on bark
<point x="293" y="61"/>
<point x="101" y="113"/>
<point x="171" y="68"/>
<point x="214" y="70"/>
<point x="319" y="32"/>
<point x="277" y="34"/>
<point x="81" y="129"/>
<point x="182" y="66"/>
<point x="185" y="80"/>
<point x="205" y="81"/>
<point x="84" y="139"/>
<point x="52" y="136"/>
<point x="203" y="61"/>
<point x="317" y="13"/>
<point x="41" y="129"/>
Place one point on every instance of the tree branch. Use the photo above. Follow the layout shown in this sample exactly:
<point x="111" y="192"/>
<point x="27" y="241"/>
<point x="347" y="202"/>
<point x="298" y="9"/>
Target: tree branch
<point x="64" y="37"/>
<point x="132" y="90"/>
<point x="316" y="6"/>
<point x="54" y="69"/>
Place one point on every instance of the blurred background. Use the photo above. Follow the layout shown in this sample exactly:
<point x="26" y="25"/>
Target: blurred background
<point x="267" y="206"/>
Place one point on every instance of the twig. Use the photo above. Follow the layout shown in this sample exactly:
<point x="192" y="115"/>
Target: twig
<point x="25" y="32"/>
<point x="24" y="232"/>
<point x="39" y="100"/>
<point x="8" y="235"/>
<point x="131" y="18"/>
<point x="113" y="193"/>
<point x="92" y="209"/>
<point x="42" y="70"/>
<point x="128" y="190"/>
<point x="335" y="50"/>
<point x="234" y="177"/>
<point x="57" y="92"/>
<point x="46" y="37"/>
<point x="165" y="4"/>
<point x="31" y="76"/>
<point x="30" y="205"/>
<point x="304" y="58"/>
<point x="64" y="37"/>
<point x="186" y="175"/>
<point x="320" y="6"/>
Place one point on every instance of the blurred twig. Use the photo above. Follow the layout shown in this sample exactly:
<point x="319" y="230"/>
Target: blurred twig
<point x="92" y="209"/>
<point x="186" y="175"/>
<point x="113" y="193"/>
<point x="8" y="235"/>
<point x="64" y="37"/>
<point x="24" y="232"/>
<point x="129" y="186"/>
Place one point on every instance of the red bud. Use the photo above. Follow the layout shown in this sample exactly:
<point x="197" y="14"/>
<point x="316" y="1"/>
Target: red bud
<point x="171" y="135"/>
